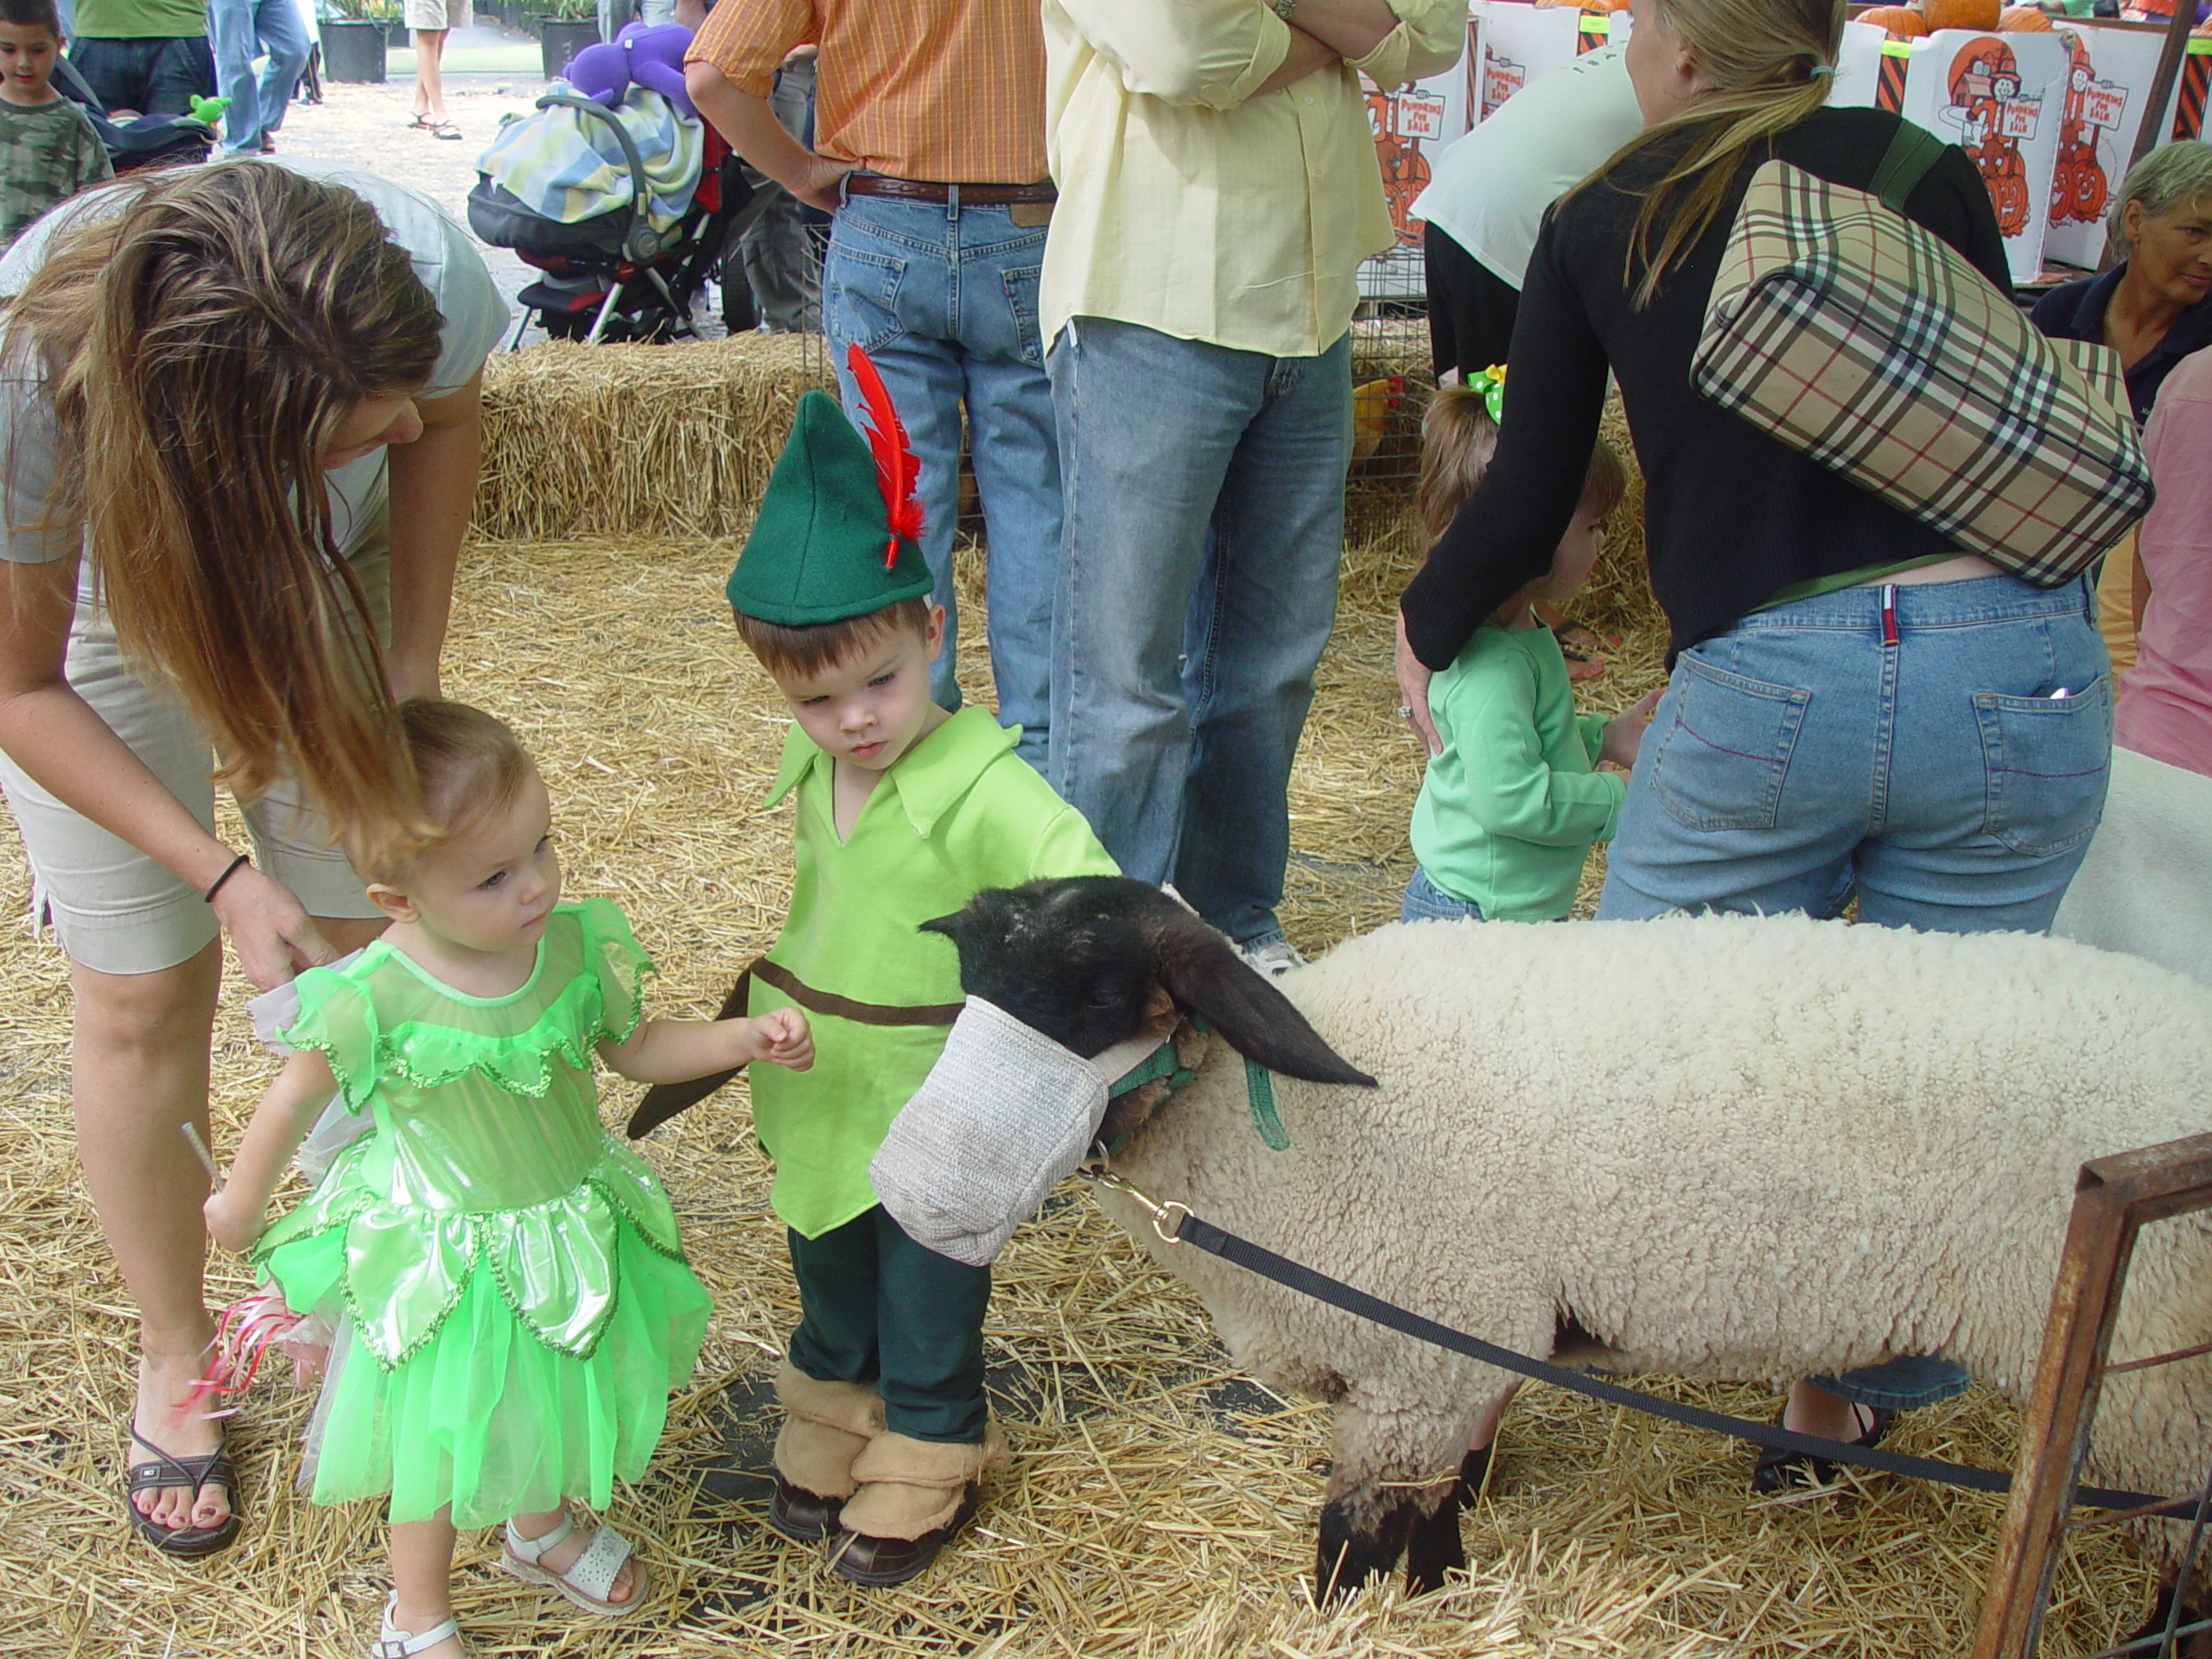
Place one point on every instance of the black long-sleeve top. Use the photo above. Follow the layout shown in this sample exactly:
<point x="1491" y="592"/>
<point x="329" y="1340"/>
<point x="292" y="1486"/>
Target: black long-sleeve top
<point x="1732" y="515"/>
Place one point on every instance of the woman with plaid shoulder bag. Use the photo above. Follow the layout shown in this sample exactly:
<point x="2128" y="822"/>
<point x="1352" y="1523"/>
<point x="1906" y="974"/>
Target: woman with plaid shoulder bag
<point x="1858" y="708"/>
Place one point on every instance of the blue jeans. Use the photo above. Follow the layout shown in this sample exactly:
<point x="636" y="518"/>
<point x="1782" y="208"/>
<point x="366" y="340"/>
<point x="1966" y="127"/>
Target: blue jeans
<point x="614" y="15"/>
<point x="1933" y="769"/>
<point x="1424" y="902"/>
<point x="157" y="74"/>
<point x="239" y="30"/>
<point x="1908" y="744"/>
<point x="943" y="298"/>
<point x="1205" y="496"/>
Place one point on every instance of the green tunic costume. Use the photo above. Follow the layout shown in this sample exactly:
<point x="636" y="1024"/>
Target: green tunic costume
<point x="957" y="813"/>
<point x="513" y="1304"/>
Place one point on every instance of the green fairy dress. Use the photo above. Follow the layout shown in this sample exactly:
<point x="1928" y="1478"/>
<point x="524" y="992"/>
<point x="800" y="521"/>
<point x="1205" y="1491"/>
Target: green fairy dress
<point x="511" y="1303"/>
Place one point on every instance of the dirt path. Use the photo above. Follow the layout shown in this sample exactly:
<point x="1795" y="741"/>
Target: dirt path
<point x="365" y="126"/>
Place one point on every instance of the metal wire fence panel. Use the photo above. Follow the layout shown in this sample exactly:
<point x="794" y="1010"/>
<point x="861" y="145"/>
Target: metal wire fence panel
<point x="2115" y="1199"/>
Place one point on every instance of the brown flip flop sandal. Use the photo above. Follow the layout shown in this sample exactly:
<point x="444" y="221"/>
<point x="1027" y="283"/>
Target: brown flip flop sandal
<point x="169" y="1473"/>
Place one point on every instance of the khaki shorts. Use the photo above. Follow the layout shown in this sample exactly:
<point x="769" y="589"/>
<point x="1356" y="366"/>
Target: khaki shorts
<point x="114" y="909"/>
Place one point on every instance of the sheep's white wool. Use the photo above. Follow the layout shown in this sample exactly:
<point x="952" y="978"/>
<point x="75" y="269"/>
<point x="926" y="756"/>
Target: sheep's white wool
<point x="2145" y="886"/>
<point x="1720" y="1147"/>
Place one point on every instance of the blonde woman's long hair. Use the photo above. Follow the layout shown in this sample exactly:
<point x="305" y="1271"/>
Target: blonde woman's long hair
<point x="1768" y="64"/>
<point x="203" y="346"/>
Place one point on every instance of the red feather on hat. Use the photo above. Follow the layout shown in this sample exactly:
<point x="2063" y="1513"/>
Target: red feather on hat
<point x="896" y="469"/>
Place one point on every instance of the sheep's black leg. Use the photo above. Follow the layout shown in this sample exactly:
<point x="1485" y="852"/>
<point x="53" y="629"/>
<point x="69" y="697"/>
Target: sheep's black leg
<point x="1432" y="1546"/>
<point x="1474" y="1468"/>
<point x="1348" y="1557"/>
<point x="2162" y="1614"/>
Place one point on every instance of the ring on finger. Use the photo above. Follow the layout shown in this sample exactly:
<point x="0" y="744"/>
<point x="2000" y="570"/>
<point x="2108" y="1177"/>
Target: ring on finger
<point x="1405" y="711"/>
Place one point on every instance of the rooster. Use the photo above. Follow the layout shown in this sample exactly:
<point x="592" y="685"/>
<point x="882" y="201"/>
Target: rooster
<point x="1372" y="404"/>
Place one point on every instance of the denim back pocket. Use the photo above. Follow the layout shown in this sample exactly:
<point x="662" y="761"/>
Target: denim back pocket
<point x="860" y="296"/>
<point x="1021" y="282"/>
<point x="2046" y="760"/>
<point x="1725" y="750"/>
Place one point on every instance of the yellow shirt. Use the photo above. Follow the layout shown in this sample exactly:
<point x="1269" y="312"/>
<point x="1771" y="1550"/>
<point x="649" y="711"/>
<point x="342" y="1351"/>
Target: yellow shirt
<point x="1190" y="205"/>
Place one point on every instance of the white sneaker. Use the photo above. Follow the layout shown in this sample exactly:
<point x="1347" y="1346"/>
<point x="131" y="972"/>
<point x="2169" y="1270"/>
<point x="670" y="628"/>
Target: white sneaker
<point x="1275" y="957"/>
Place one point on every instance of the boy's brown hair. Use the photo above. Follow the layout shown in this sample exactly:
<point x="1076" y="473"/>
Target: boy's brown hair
<point x="803" y="651"/>
<point x="32" y="14"/>
<point x="1457" y="440"/>
<point x="466" y="766"/>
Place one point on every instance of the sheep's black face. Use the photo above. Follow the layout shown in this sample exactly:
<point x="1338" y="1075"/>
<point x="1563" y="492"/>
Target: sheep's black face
<point x="1093" y="960"/>
<point x="1065" y="957"/>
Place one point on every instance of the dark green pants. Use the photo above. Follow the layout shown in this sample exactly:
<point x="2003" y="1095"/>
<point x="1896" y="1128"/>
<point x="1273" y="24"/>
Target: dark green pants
<point x="874" y="1306"/>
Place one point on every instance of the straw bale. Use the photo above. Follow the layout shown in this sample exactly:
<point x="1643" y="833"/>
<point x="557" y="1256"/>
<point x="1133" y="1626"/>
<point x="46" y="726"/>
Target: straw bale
<point x="1159" y="1503"/>
<point x="649" y="440"/>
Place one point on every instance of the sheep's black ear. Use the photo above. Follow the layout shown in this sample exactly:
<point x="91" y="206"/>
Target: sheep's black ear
<point x="1203" y="972"/>
<point x="948" y="925"/>
<point x="664" y="1100"/>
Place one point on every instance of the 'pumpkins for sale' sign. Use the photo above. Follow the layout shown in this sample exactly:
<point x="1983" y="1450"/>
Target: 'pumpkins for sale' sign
<point x="1521" y="41"/>
<point x="2001" y="97"/>
<point x="2108" y="77"/>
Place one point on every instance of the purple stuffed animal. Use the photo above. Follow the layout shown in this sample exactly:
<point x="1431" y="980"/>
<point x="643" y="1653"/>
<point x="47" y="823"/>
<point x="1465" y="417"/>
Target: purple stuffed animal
<point x="651" y="56"/>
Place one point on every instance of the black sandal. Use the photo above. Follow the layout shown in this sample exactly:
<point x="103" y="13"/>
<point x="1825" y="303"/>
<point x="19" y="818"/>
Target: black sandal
<point x="1776" y="1468"/>
<point x="169" y="1473"/>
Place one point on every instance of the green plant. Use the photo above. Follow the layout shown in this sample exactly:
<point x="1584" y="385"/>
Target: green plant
<point x="366" y="11"/>
<point x="567" y="11"/>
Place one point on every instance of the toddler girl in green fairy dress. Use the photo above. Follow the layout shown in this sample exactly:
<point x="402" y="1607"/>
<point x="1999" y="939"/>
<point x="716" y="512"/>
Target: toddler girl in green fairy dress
<point x="510" y="1302"/>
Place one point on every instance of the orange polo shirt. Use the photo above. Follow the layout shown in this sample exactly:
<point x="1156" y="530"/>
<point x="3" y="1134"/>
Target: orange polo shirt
<point x="948" y="91"/>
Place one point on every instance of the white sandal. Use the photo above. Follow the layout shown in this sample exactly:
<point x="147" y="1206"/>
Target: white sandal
<point x="588" y="1577"/>
<point x="392" y="1642"/>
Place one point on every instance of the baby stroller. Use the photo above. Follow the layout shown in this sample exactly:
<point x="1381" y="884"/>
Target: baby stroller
<point x="613" y="276"/>
<point x="149" y="141"/>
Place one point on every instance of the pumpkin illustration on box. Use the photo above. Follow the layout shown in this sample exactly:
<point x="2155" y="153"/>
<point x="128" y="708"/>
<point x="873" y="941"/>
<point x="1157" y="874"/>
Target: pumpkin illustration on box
<point x="2079" y="188"/>
<point x="1993" y="117"/>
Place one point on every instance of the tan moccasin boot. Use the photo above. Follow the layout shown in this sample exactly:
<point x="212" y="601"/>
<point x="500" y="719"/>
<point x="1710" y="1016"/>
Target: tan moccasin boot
<point x="826" y="1426"/>
<point x="914" y="1495"/>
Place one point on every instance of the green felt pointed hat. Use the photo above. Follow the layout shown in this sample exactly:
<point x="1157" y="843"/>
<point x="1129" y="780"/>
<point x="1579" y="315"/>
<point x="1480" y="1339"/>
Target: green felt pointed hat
<point x="825" y="546"/>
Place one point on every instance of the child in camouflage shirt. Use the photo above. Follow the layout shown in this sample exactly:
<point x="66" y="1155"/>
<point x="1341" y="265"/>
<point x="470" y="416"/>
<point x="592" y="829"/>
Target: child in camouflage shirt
<point x="48" y="150"/>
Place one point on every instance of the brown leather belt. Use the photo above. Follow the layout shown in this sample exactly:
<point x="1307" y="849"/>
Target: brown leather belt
<point x="663" y="1101"/>
<point x="971" y="195"/>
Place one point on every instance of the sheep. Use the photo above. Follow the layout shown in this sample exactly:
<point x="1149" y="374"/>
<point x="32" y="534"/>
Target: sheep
<point x="2142" y="889"/>
<point x="1713" y="1147"/>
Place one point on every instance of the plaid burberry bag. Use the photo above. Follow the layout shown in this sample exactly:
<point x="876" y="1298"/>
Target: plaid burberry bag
<point x="1862" y="339"/>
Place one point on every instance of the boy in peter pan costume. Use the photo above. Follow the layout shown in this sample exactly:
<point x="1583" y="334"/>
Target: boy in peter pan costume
<point x="904" y="812"/>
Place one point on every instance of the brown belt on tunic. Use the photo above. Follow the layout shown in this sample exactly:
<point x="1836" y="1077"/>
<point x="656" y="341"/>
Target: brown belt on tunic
<point x="971" y="195"/>
<point x="664" y="1100"/>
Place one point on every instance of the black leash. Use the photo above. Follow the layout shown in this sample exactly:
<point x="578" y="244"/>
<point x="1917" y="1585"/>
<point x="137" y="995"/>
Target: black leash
<point x="1175" y="1224"/>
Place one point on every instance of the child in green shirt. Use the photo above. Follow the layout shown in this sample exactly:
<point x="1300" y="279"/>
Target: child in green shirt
<point x="48" y="150"/>
<point x="1512" y="801"/>
<point x="904" y="812"/>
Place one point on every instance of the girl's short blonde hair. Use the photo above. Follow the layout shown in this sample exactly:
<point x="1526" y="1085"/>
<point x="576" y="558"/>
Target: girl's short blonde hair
<point x="465" y="766"/>
<point x="1458" y="438"/>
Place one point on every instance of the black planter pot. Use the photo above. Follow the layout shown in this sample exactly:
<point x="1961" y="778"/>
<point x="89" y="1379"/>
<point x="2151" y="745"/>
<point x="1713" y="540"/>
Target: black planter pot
<point x="352" y="49"/>
<point x="560" y="39"/>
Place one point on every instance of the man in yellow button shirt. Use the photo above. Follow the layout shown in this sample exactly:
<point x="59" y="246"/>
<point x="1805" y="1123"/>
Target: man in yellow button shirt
<point x="1218" y="188"/>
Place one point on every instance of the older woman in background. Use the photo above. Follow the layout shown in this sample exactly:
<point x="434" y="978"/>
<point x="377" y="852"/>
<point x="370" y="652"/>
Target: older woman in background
<point x="2153" y="308"/>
